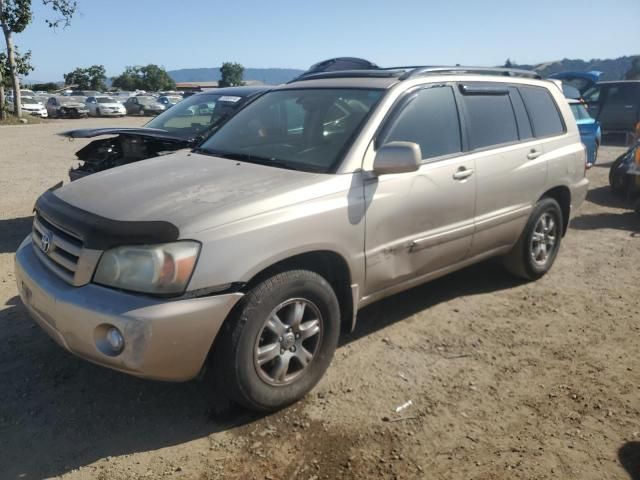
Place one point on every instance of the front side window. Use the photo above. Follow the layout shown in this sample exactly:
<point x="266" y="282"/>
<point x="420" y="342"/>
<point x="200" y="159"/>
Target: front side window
<point x="301" y="129"/>
<point x="430" y="119"/>
<point x="542" y="110"/>
<point x="490" y="120"/>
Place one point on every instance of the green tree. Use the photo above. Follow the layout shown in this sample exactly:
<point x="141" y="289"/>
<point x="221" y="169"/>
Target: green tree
<point x="92" y="78"/>
<point x="508" y="63"/>
<point x="231" y="74"/>
<point x="15" y="16"/>
<point x="156" y="78"/>
<point x="634" y="70"/>
<point x="150" y="77"/>
<point x="23" y="66"/>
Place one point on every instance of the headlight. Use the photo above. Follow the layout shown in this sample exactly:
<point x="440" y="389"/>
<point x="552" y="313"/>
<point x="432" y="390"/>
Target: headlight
<point x="159" y="269"/>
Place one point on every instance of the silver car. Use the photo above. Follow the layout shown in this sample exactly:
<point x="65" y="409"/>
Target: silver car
<point x="255" y="250"/>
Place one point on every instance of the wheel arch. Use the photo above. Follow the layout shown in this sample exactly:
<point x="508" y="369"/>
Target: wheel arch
<point x="330" y="265"/>
<point x="562" y="195"/>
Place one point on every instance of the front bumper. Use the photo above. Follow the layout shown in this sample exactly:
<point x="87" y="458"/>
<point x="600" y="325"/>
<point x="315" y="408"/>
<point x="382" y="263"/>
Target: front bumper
<point x="164" y="339"/>
<point x="112" y="113"/>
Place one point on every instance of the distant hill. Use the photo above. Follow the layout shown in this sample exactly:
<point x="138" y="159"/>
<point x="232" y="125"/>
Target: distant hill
<point x="613" y="69"/>
<point x="269" y="76"/>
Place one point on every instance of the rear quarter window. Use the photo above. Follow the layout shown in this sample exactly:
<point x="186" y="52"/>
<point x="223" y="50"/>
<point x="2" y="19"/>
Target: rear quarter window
<point x="543" y="111"/>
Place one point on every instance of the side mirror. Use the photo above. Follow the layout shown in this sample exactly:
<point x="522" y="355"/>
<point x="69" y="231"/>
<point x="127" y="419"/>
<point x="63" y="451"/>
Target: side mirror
<point x="397" y="157"/>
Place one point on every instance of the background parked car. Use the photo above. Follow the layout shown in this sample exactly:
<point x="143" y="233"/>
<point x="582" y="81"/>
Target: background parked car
<point x="589" y="127"/>
<point x="84" y="93"/>
<point x="174" y="129"/>
<point x="105" y="106"/>
<point x="143" y="105"/>
<point x="31" y="106"/>
<point x="616" y="105"/>
<point x="60" y="107"/>
<point x="169" y="100"/>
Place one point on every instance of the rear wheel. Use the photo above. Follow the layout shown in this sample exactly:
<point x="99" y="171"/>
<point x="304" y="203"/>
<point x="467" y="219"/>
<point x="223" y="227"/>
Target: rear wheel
<point x="537" y="248"/>
<point x="280" y="342"/>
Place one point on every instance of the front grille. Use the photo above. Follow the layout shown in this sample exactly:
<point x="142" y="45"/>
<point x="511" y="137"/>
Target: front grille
<point x="57" y="248"/>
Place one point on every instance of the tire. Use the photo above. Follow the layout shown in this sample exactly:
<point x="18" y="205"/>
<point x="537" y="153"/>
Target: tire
<point x="98" y="112"/>
<point x="523" y="261"/>
<point x="618" y="182"/>
<point x="259" y="383"/>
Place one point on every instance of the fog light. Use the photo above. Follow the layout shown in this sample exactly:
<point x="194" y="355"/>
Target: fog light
<point x="115" y="340"/>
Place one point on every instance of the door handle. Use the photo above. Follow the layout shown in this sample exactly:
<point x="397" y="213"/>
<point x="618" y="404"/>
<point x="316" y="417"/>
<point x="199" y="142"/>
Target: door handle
<point x="463" y="173"/>
<point x="533" y="154"/>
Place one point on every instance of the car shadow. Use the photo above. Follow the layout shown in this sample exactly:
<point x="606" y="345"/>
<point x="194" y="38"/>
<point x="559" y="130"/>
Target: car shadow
<point x="485" y="277"/>
<point x="59" y="413"/>
<point x="12" y="232"/>
<point x="628" y="221"/>
<point x="629" y="456"/>
<point x="605" y="197"/>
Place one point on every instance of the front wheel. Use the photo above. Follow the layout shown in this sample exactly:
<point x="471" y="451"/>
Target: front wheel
<point x="280" y="342"/>
<point x="538" y="245"/>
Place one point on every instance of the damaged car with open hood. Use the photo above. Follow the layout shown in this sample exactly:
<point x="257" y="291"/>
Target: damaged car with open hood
<point x="182" y="126"/>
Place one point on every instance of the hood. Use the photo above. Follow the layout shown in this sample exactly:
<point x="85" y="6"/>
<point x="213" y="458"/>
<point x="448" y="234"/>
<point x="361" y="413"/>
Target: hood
<point x="193" y="192"/>
<point x="72" y="105"/>
<point x="110" y="105"/>
<point x="142" y="132"/>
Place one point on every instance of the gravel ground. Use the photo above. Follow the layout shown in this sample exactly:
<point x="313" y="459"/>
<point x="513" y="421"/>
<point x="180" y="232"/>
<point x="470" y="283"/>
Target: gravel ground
<point x="506" y="379"/>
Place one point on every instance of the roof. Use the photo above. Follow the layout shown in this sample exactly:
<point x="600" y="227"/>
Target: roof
<point x="609" y="82"/>
<point x="345" y="82"/>
<point x="236" y="91"/>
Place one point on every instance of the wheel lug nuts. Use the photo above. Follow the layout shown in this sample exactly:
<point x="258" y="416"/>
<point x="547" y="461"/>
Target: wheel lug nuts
<point x="279" y="339"/>
<point x="297" y="335"/>
<point x="282" y="351"/>
<point x="292" y="349"/>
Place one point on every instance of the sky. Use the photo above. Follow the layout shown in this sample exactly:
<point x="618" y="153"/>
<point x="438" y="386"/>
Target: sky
<point x="298" y="33"/>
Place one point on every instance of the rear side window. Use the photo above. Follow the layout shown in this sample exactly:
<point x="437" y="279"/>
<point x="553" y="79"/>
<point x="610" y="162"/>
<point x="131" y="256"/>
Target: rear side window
<point x="545" y="118"/>
<point x="430" y="119"/>
<point x="490" y="120"/>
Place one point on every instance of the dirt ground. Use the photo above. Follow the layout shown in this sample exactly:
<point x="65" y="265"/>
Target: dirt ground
<point x="507" y="380"/>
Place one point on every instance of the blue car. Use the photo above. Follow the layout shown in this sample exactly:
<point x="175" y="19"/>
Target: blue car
<point x="590" y="132"/>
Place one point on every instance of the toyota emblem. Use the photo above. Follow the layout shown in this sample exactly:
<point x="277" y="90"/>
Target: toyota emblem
<point x="45" y="242"/>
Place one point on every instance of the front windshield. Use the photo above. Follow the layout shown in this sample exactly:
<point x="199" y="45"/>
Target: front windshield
<point x="106" y="100"/>
<point x="305" y="129"/>
<point x="28" y="101"/>
<point x="196" y="115"/>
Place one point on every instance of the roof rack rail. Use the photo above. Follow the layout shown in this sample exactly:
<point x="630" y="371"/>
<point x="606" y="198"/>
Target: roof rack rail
<point x="508" y="72"/>
<point x="406" y="72"/>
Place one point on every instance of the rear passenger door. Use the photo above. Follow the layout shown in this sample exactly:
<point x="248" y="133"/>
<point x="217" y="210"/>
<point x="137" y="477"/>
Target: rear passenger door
<point x="511" y="169"/>
<point x="420" y="222"/>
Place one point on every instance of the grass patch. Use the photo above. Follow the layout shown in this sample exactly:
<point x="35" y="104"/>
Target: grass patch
<point x="31" y="120"/>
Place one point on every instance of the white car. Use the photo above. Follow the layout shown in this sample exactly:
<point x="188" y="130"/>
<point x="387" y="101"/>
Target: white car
<point x="30" y="106"/>
<point x="105" y="106"/>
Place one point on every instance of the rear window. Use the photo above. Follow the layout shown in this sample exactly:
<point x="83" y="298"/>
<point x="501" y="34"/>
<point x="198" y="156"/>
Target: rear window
<point x="543" y="112"/>
<point x="490" y="120"/>
<point x="579" y="112"/>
